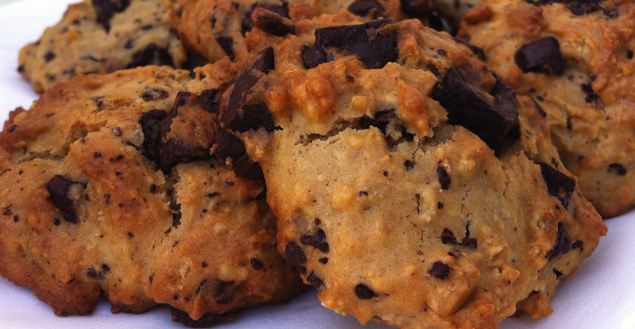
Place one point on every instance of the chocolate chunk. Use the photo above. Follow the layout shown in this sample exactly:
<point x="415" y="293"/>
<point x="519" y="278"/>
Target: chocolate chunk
<point x="59" y="187"/>
<point x="272" y="23"/>
<point x="444" y="178"/>
<point x="106" y="9"/>
<point x="563" y="243"/>
<point x="49" y="56"/>
<point x="256" y="264"/>
<point x="364" y="292"/>
<point x="557" y="273"/>
<point x="440" y="205"/>
<point x="223" y="294"/>
<point x="231" y="146"/>
<point x="558" y="184"/>
<point x="439" y="23"/>
<point x="317" y="240"/>
<point x="170" y="152"/>
<point x="584" y="7"/>
<point x="151" y="55"/>
<point x="207" y="320"/>
<point x="469" y="243"/>
<point x="211" y="98"/>
<point x="541" y="56"/>
<point x="227" y="44"/>
<point x="591" y="96"/>
<point x="149" y="122"/>
<point x="363" y="8"/>
<point x="373" y="47"/>
<point x="420" y="9"/>
<point x="617" y="169"/>
<point x="94" y="274"/>
<point x="247" y="23"/>
<point x="490" y="117"/>
<point x="447" y="237"/>
<point x="294" y="253"/>
<point x="313" y="56"/>
<point x="154" y="94"/>
<point x="6" y="211"/>
<point x="611" y="12"/>
<point x="440" y="270"/>
<point x="314" y="280"/>
<point x="266" y="61"/>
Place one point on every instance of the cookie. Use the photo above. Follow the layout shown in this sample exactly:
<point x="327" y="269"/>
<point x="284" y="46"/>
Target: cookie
<point x="108" y="186"/>
<point x="576" y="61"/>
<point x="102" y="36"/>
<point x="217" y="28"/>
<point x="409" y="181"/>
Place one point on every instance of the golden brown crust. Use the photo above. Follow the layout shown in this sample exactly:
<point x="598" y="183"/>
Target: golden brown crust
<point x="590" y="103"/>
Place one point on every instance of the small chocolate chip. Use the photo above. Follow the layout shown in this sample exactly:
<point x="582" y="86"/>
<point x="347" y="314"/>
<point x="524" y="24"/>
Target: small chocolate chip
<point x="317" y="240"/>
<point x="447" y="237"/>
<point x="440" y="270"/>
<point x="541" y="56"/>
<point x="294" y="253"/>
<point x="116" y="131"/>
<point x="106" y="9"/>
<point x="323" y="260"/>
<point x="539" y="109"/>
<point x="349" y="78"/>
<point x="314" y="280"/>
<point x="364" y="292"/>
<point x="444" y="178"/>
<point x="256" y="264"/>
<point x="97" y="155"/>
<point x="94" y="274"/>
<point x="557" y="273"/>
<point x="440" y="205"/>
<point x="409" y="164"/>
<point x="617" y="169"/>
<point x="49" y="56"/>
<point x="16" y="218"/>
<point x="154" y="94"/>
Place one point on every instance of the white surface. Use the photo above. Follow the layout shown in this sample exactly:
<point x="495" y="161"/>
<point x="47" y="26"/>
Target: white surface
<point x="600" y="295"/>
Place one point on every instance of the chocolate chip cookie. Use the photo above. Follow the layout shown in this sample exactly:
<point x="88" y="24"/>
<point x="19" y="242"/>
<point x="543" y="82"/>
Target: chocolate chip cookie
<point x="102" y="36"/>
<point x="217" y="28"/>
<point x="108" y="185"/>
<point x="575" y="60"/>
<point x="410" y="182"/>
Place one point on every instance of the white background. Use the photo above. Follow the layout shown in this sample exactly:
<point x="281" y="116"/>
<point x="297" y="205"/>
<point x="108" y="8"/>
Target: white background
<point x="600" y="295"/>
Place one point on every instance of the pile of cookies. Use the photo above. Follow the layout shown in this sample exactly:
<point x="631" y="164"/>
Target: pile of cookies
<point x="412" y="177"/>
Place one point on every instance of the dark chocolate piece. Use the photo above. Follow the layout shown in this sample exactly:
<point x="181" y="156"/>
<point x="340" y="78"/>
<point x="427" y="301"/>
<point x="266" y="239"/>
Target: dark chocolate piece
<point x="314" y="280"/>
<point x="294" y="253"/>
<point x="541" y="56"/>
<point x="256" y="264"/>
<point x="247" y="23"/>
<point x="440" y="270"/>
<point x="420" y="9"/>
<point x="273" y="23"/>
<point x="232" y="147"/>
<point x="106" y="9"/>
<point x="563" y="243"/>
<point x="617" y="169"/>
<point x="59" y="187"/>
<point x="444" y="178"/>
<point x="489" y="116"/>
<point x="227" y="44"/>
<point x="151" y="55"/>
<point x="364" y="292"/>
<point x="373" y="48"/>
<point x="558" y="184"/>
<point x="149" y="122"/>
<point x="364" y="8"/>
<point x="313" y="56"/>
<point x="317" y="240"/>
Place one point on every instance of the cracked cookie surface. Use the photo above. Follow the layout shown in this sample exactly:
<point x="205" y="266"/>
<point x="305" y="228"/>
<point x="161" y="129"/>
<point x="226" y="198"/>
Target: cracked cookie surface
<point x="102" y="36"/>
<point x="576" y="61"/>
<point x="108" y="185"/>
<point x="401" y="204"/>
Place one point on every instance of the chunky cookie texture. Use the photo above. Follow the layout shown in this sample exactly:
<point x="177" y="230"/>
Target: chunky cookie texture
<point x="217" y="28"/>
<point x="575" y="60"/>
<point x="102" y="36"/>
<point x="401" y="204"/>
<point x="108" y="186"/>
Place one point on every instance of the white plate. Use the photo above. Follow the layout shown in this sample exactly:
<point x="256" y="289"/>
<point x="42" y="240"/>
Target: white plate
<point x="600" y="295"/>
